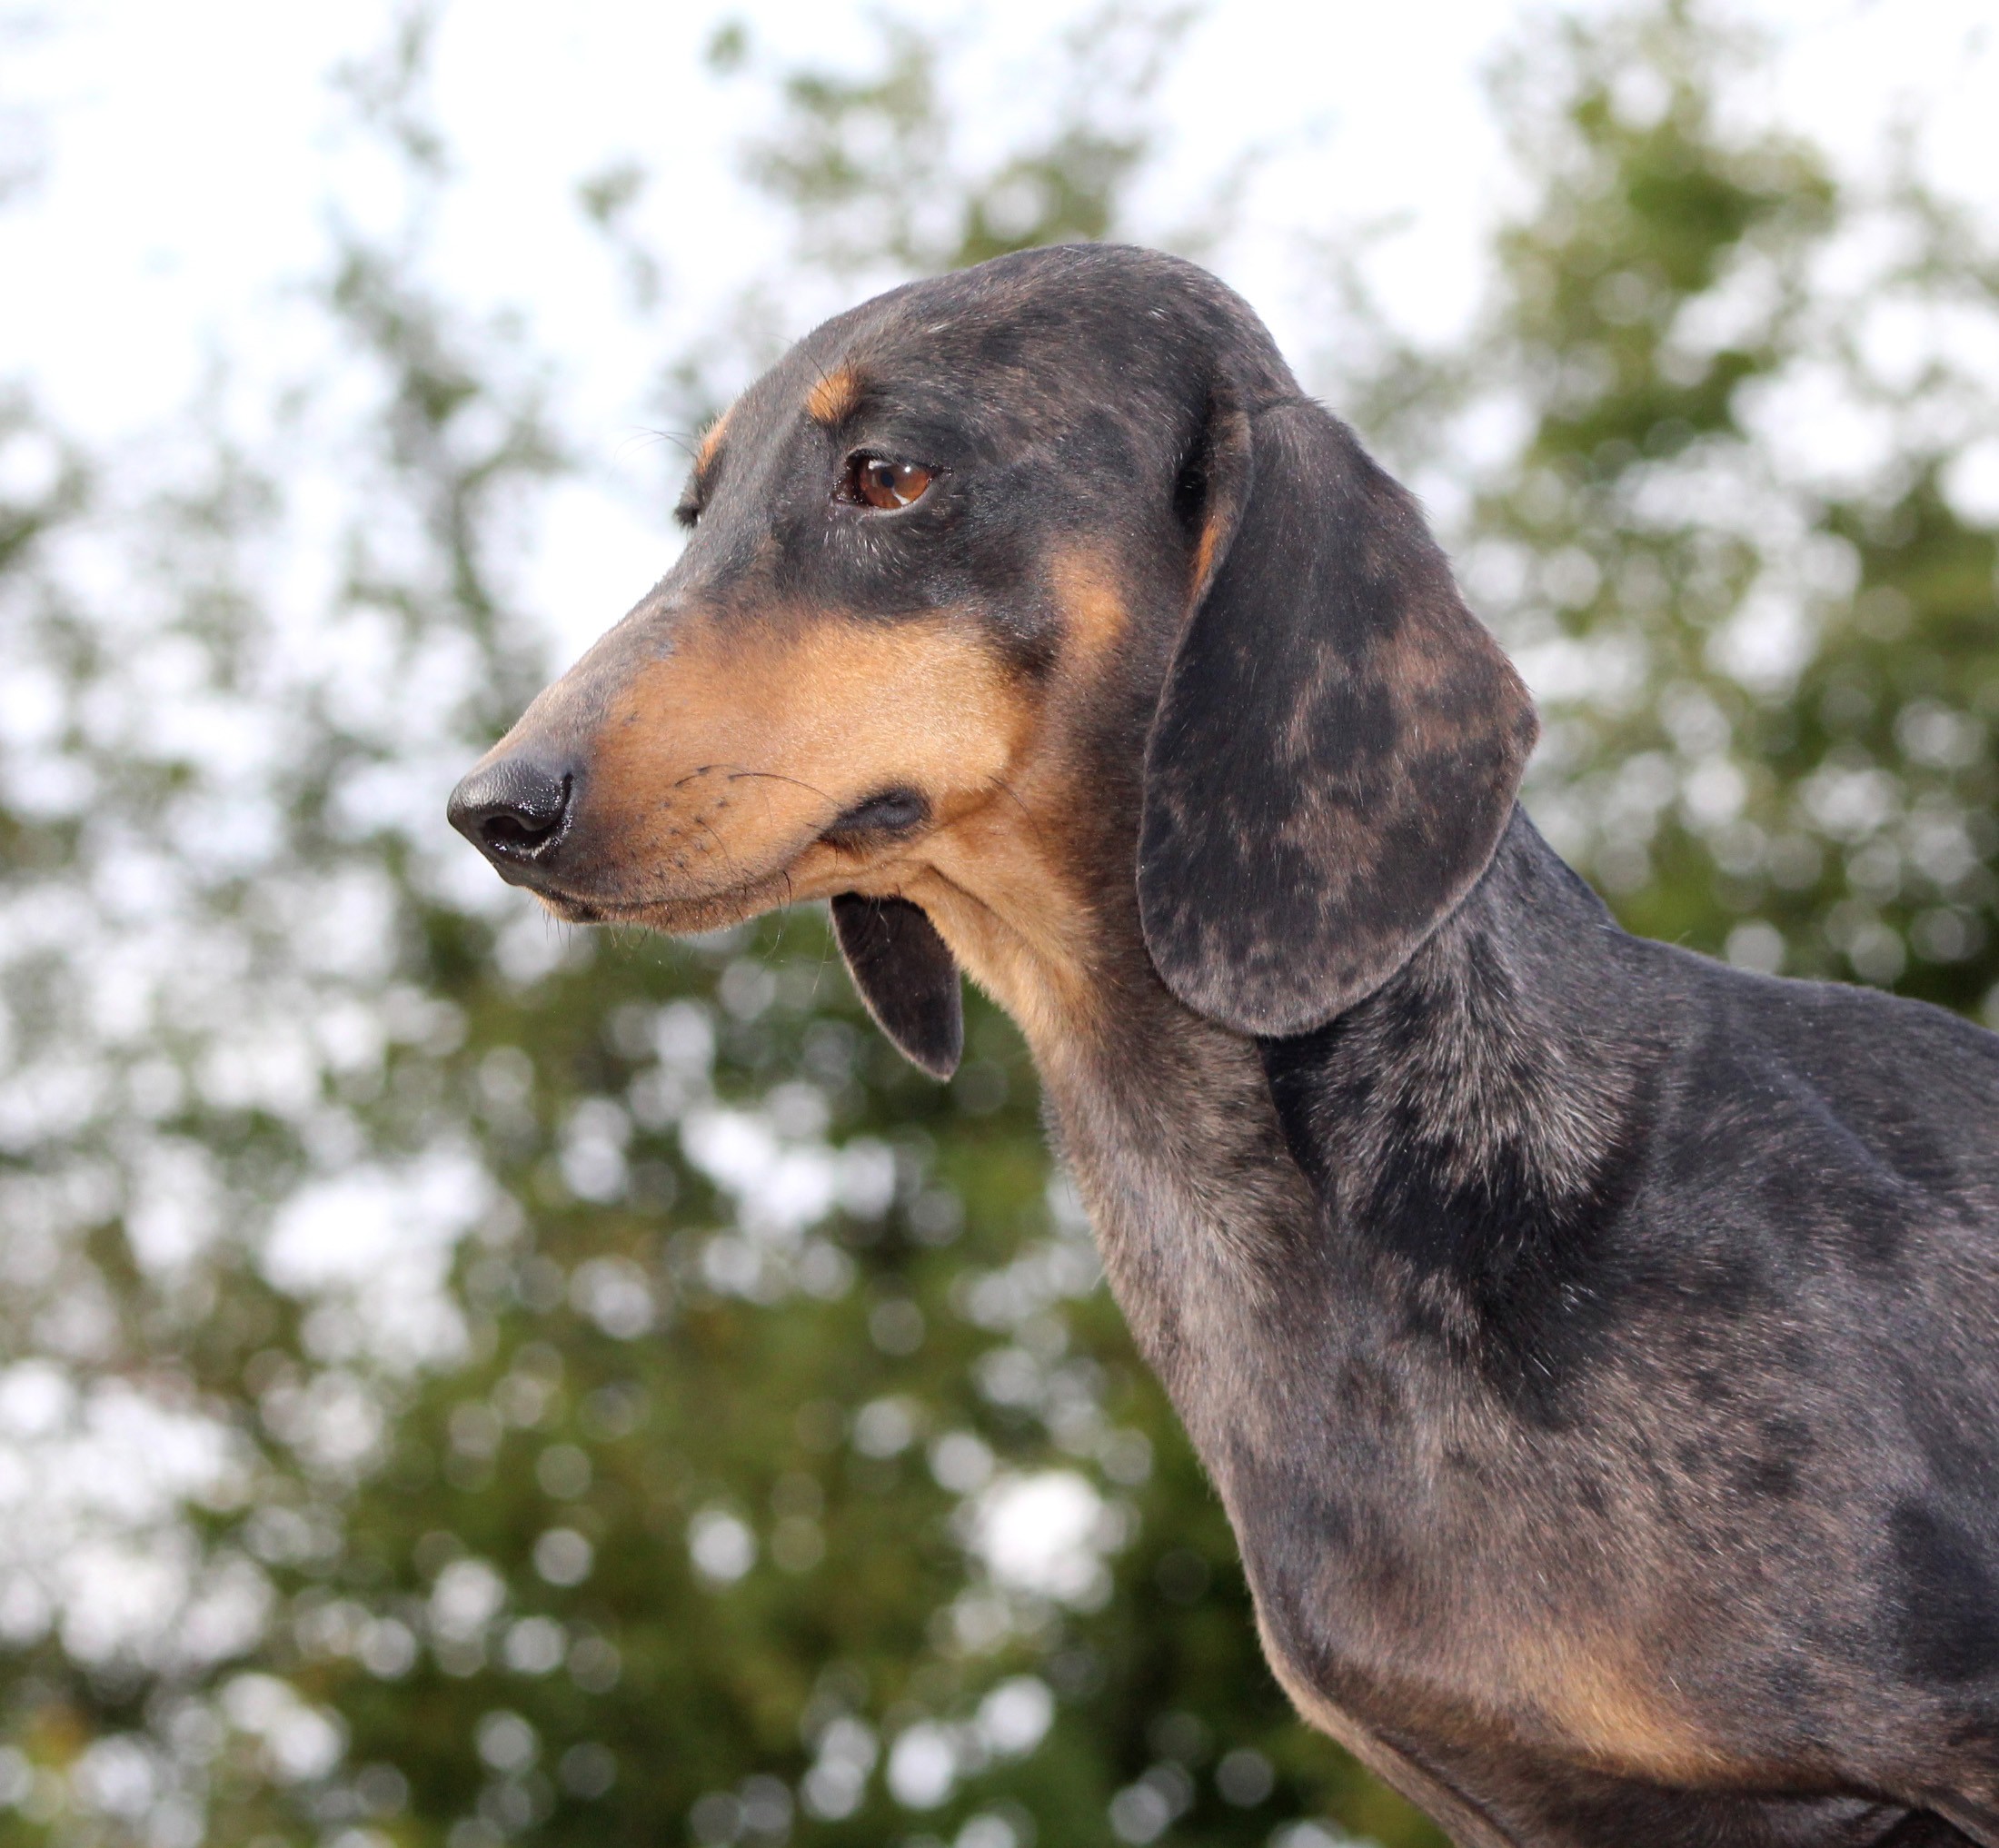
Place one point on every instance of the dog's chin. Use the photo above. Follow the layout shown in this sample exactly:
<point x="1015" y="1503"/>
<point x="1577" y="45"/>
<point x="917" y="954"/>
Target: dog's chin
<point x="676" y="917"/>
<point x="819" y="867"/>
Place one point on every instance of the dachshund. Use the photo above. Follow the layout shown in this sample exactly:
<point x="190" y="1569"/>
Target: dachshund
<point x="1595" y="1347"/>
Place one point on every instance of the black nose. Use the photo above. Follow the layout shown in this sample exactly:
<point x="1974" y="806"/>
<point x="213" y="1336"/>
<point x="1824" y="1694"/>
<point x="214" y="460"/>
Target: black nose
<point x="512" y="810"/>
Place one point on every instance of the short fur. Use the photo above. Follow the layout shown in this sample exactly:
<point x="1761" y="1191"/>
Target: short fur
<point x="1594" y="1346"/>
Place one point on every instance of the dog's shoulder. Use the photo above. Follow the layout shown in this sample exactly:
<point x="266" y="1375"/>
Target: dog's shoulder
<point x="1826" y="1087"/>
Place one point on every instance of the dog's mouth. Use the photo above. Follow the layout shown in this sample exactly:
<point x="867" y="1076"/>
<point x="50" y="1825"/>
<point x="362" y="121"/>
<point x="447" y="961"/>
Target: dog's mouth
<point x="880" y="820"/>
<point x="894" y="814"/>
<point x="677" y="916"/>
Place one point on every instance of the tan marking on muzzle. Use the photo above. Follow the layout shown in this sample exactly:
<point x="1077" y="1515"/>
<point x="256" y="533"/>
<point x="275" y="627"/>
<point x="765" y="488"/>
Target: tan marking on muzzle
<point x="724" y="761"/>
<point x="712" y="772"/>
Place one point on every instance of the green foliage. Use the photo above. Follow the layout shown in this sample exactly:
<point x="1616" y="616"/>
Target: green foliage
<point x="1776" y="683"/>
<point x="679" y="1458"/>
<point x="869" y="162"/>
<point x="872" y="172"/>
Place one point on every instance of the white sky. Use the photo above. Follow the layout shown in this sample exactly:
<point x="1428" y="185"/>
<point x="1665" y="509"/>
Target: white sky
<point x="192" y="158"/>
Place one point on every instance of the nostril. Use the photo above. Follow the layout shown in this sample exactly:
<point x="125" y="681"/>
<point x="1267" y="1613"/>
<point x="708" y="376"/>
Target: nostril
<point x="503" y="831"/>
<point x="514" y="810"/>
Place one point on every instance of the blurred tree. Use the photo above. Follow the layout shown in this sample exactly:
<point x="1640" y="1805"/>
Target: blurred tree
<point x="873" y="175"/>
<point x="838" y="1551"/>
<point x="1742" y="545"/>
<point x="571" y="1388"/>
<point x="768" y="1460"/>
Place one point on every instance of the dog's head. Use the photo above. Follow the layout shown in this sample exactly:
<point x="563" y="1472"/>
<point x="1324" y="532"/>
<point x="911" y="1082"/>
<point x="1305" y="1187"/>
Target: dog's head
<point x="1028" y="604"/>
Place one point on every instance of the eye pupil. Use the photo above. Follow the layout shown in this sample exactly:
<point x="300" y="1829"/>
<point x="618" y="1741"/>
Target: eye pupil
<point x="876" y="481"/>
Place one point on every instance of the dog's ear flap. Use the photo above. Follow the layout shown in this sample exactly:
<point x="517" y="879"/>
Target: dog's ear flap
<point x="1339" y="740"/>
<point x="905" y="974"/>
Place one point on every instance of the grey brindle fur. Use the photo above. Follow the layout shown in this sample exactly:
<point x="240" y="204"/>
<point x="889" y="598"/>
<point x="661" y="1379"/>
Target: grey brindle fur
<point x="1597" y="1348"/>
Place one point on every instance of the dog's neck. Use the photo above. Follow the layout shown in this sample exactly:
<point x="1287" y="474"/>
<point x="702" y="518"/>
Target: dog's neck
<point x="1415" y="1166"/>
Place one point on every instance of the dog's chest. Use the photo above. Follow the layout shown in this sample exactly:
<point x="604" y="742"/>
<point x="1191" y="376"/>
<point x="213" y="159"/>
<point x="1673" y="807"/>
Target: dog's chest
<point x="1387" y="1575"/>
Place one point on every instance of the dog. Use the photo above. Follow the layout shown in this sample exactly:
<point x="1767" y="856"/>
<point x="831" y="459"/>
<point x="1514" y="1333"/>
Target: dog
<point x="1595" y="1347"/>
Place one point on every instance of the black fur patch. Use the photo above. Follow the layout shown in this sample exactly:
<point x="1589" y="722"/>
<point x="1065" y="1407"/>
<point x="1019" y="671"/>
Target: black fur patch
<point x="1949" y="1600"/>
<point x="1503" y="1229"/>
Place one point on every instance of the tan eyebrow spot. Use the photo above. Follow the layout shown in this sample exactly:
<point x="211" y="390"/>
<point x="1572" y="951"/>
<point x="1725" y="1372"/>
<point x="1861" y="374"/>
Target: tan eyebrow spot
<point x="834" y="396"/>
<point x="712" y="442"/>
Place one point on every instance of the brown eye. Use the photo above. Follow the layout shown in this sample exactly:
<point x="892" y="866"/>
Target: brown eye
<point x="876" y="482"/>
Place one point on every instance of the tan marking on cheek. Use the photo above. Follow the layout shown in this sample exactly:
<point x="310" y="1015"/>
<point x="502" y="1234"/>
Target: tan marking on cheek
<point x="724" y="761"/>
<point x="735" y="751"/>
<point x="1000" y="886"/>
<point x="833" y="398"/>
<point x="1014" y="926"/>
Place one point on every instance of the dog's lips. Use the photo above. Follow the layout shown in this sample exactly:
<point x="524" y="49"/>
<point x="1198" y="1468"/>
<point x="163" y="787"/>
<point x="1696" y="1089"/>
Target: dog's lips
<point x="880" y="822"/>
<point x="676" y="915"/>
<point x="682" y="913"/>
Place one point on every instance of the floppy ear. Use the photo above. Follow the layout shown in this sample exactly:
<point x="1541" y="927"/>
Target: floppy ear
<point x="1339" y="740"/>
<point x="906" y="976"/>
